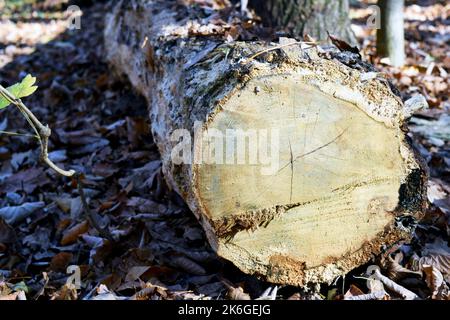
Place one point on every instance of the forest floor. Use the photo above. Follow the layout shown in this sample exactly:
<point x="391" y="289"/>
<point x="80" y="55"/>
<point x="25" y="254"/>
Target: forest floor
<point x="100" y="127"/>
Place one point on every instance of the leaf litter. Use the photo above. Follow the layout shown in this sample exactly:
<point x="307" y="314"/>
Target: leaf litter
<point x="159" y="250"/>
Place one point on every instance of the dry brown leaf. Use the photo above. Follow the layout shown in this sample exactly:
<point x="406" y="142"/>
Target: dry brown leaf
<point x="439" y="261"/>
<point x="434" y="280"/>
<point x="394" y="287"/>
<point x="149" y="290"/>
<point x="353" y="291"/>
<point x="67" y="292"/>
<point x="144" y="294"/>
<point x="135" y="273"/>
<point x="396" y="272"/>
<point x="71" y="235"/>
<point x="61" y="261"/>
<point x="435" y="191"/>
<point x="137" y="129"/>
<point x="17" y="214"/>
<point x="4" y="289"/>
<point x="188" y="265"/>
<point x="26" y="180"/>
<point x="62" y="225"/>
<point x="100" y="248"/>
<point x="7" y="233"/>
<point x="237" y="294"/>
<point x="64" y="203"/>
<point x="343" y="45"/>
<point x="12" y="296"/>
<point x="295" y="296"/>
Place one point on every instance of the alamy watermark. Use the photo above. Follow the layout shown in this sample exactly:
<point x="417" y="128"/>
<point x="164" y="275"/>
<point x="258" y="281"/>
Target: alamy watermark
<point x="374" y="20"/>
<point x="74" y="280"/>
<point x="259" y="147"/>
<point x="74" y="13"/>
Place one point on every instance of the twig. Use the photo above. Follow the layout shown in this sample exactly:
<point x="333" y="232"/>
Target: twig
<point x="281" y="46"/>
<point x="42" y="290"/>
<point x="376" y="295"/>
<point x="42" y="132"/>
<point x="391" y="285"/>
<point x="89" y="214"/>
<point x="18" y="134"/>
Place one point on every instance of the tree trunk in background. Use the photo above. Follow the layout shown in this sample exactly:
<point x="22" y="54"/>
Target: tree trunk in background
<point x="342" y="182"/>
<point x="313" y="17"/>
<point x="391" y="36"/>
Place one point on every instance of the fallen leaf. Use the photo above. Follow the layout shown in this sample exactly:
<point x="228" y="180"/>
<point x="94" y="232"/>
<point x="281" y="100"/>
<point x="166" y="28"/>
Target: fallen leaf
<point x="135" y="272"/>
<point x="100" y="248"/>
<point x="441" y="261"/>
<point x="76" y="208"/>
<point x="64" y="204"/>
<point x="187" y="265"/>
<point x="214" y="289"/>
<point x="342" y="45"/>
<point x="17" y="214"/>
<point x="7" y="233"/>
<point x="26" y="180"/>
<point x="10" y="297"/>
<point x="67" y="292"/>
<point x="103" y="293"/>
<point x="70" y="236"/>
<point x="237" y="294"/>
<point x="61" y="261"/>
<point x="353" y="291"/>
<point x="434" y="279"/>
<point x="397" y="272"/>
<point x="295" y="296"/>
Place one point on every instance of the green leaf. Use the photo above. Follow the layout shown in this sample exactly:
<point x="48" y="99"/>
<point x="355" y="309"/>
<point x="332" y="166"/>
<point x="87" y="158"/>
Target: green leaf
<point x="21" y="286"/>
<point x="332" y="293"/>
<point x="20" y="90"/>
<point x="3" y="102"/>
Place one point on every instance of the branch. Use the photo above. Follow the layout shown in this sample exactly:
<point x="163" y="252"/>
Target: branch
<point x="281" y="46"/>
<point x="89" y="214"/>
<point x="376" y="295"/>
<point x="391" y="285"/>
<point x="18" y="134"/>
<point x="43" y="133"/>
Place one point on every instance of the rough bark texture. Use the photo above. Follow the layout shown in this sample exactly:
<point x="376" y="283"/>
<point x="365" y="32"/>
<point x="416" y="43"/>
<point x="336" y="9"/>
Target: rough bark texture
<point x="348" y="187"/>
<point x="391" y="36"/>
<point x="313" y="17"/>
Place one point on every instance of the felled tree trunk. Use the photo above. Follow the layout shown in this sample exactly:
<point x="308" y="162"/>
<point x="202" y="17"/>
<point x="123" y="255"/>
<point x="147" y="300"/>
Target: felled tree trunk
<point x="313" y="17"/>
<point x="334" y="180"/>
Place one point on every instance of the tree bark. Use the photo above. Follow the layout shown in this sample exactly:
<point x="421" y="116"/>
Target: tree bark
<point x="391" y="36"/>
<point x="346" y="184"/>
<point x="313" y="17"/>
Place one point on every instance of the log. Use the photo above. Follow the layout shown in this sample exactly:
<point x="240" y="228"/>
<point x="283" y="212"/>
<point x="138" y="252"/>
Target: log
<point x="335" y="181"/>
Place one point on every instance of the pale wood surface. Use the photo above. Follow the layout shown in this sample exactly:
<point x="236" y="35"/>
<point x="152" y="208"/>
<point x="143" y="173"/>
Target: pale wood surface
<point x="347" y="175"/>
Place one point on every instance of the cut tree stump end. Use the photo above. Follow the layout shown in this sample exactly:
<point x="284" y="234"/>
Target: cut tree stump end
<point x="340" y="182"/>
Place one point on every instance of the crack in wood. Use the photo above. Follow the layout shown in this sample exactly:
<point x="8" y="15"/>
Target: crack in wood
<point x="315" y="150"/>
<point x="292" y="169"/>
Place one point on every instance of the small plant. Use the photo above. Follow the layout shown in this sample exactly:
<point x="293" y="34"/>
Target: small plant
<point x="12" y="96"/>
<point x="19" y="90"/>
